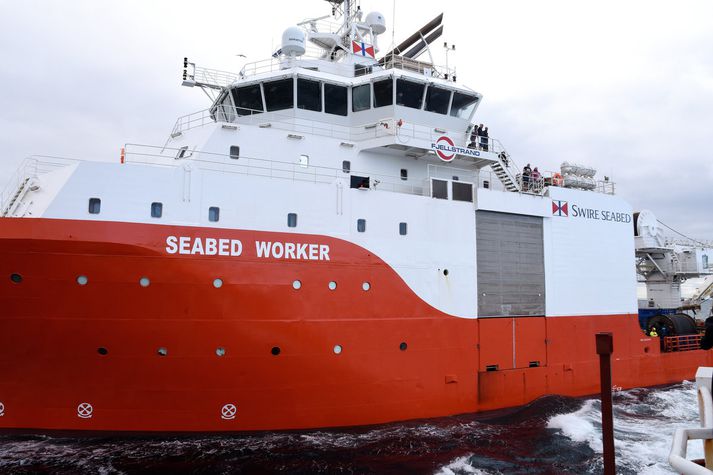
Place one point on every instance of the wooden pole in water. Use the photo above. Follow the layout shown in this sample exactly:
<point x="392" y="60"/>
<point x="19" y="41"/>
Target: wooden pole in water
<point x="605" y="347"/>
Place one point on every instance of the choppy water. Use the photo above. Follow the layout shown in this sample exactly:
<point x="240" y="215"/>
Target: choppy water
<point x="552" y="435"/>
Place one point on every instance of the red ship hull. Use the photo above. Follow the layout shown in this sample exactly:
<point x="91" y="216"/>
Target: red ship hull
<point x="52" y="330"/>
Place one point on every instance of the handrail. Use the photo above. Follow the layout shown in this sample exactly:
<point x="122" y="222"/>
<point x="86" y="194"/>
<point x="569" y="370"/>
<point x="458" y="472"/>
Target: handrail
<point x="294" y="171"/>
<point x="31" y="167"/>
<point x="677" y="457"/>
<point x="388" y="126"/>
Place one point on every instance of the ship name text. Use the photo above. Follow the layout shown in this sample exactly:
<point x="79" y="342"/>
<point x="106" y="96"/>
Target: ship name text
<point x="600" y="214"/>
<point x="234" y="247"/>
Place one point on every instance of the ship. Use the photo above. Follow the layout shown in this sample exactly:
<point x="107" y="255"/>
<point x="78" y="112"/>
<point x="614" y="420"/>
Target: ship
<point x="333" y="242"/>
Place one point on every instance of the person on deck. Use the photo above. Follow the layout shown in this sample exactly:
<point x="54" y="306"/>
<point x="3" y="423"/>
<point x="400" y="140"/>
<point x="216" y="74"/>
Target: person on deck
<point x="484" y="139"/>
<point x="504" y="158"/>
<point x="707" y="340"/>
<point x="526" y="172"/>
<point x="473" y="138"/>
<point x="535" y="178"/>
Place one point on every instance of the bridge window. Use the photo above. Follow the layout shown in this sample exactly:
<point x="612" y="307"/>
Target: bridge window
<point x="383" y="92"/>
<point x="156" y="209"/>
<point x="439" y="189"/>
<point x="335" y="99"/>
<point x="404" y="174"/>
<point x="234" y="152"/>
<point x="224" y="111"/>
<point x="248" y="100"/>
<point x="463" y="105"/>
<point x="279" y="95"/>
<point x="309" y="95"/>
<point x="292" y="220"/>
<point x="437" y="100"/>
<point x="409" y="93"/>
<point x="361" y="97"/>
<point x="462" y="191"/>
<point x="346" y="166"/>
<point x="213" y="214"/>
<point x="95" y="205"/>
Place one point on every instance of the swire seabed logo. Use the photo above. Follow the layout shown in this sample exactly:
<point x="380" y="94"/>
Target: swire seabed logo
<point x="560" y="208"/>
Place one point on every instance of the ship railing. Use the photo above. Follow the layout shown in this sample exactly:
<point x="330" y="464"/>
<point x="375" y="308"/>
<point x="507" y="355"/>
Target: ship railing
<point x="31" y="167"/>
<point x="300" y="170"/>
<point x="687" y="242"/>
<point x="677" y="457"/>
<point x="214" y="77"/>
<point x="292" y="122"/>
<point x="280" y="63"/>
<point x="394" y="61"/>
<point x="682" y="343"/>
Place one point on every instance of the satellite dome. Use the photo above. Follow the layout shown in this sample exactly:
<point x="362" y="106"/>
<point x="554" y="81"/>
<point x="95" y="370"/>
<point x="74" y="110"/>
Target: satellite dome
<point x="293" y="41"/>
<point x="376" y="22"/>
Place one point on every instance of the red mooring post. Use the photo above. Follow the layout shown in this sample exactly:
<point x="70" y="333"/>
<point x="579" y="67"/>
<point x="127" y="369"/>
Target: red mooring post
<point x="605" y="347"/>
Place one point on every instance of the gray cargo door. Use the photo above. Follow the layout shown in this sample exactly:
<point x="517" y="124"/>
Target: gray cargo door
<point x="511" y="269"/>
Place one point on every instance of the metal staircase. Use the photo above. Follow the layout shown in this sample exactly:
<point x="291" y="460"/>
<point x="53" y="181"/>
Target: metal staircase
<point x="502" y="168"/>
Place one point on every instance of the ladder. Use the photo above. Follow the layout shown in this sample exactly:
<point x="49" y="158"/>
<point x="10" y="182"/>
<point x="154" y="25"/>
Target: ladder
<point x="502" y="171"/>
<point x="7" y="210"/>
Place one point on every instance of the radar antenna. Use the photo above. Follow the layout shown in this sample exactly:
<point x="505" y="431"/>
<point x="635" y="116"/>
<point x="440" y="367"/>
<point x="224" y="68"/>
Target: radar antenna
<point x="211" y="81"/>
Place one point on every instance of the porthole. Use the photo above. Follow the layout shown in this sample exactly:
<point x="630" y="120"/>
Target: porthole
<point x="297" y="285"/>
<point x="82" y="280"/>
<point x="403" y="346"/>
<point x="220" y="351"/>
<point x="218" y="283"/>
<point x="337" y="349"/>
<point x="332" y="285"/>
<point x="365" y="286"/>
<point x="16" y="278"/>
<point x="162" y="351"/>
<point x="275" y="350"/>
<point x="144" y="282"/>
<point x="102" y="351"/>
<point x="445" y="272"/>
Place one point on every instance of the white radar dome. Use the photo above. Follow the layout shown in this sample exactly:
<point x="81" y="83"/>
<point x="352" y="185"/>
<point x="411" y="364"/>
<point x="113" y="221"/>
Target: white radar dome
<point x="293" y="41"/>
<point x="376" y="22"/>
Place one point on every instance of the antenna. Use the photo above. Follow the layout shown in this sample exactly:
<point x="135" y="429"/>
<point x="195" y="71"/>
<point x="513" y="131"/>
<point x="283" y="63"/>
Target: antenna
<point x="419" y="35"/>
<point x="211" y="81"/>
<point x="416" y="51"/>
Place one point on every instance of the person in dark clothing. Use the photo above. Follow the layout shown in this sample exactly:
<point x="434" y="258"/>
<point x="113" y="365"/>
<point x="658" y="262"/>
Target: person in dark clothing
<point x="526" y="172"/>
<point x="484" y="139"/>
<point x="707" y="340"/>
<point x="473" y="138"/>
<point x="504" y="158"/>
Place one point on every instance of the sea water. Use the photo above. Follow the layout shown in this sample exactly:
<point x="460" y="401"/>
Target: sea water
<point x="554" y="434"/>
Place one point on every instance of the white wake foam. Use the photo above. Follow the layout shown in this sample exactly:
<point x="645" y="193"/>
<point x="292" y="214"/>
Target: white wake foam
<point x="644" y="423"/>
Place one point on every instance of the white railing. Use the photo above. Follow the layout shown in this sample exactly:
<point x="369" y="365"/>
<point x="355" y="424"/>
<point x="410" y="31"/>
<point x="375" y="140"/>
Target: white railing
<point x="415" y="66"/>
<point x="213" y="77"/>
<point x="291" y="122"/>
<point x="677" y="457"/>
<point x="252" y="166"/>
<point x="30" y="167"/>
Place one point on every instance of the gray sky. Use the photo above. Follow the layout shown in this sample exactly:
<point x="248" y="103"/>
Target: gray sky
<point x="626" y="87"/>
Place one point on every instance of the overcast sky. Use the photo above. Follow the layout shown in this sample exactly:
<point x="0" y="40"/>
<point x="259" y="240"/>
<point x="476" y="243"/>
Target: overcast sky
<point x="624" y="86"/>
